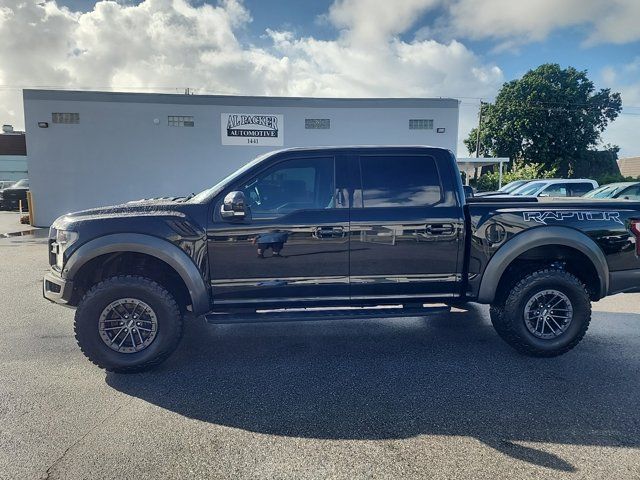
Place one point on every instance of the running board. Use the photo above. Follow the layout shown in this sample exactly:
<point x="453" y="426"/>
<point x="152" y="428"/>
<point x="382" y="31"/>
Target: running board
<point x="316" y="314"/>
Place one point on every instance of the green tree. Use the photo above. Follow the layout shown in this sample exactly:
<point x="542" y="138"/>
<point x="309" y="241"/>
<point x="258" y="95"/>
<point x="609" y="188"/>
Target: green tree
<point x="550" y="116"/>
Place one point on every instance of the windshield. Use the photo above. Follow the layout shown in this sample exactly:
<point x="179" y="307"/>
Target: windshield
<point x="209" y="193"/>
<point x="529" y="188"/>
<point x="606" y="191"/>
<point x="511" y="186"/>
<point x="22" y="183"/>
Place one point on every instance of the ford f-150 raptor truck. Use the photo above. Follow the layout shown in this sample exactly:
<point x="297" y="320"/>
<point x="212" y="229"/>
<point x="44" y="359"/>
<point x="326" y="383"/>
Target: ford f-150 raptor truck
<point x="303" y="233"/>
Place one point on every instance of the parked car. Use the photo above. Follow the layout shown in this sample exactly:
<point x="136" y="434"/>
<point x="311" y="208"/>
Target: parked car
<point x="10" y="197"/>
<point x="505" y="189"/>
<point x="623" y="190"/>
<point x="337" y="227"/>
<point x="6" y="184"/>
<point x="556" y="187"/>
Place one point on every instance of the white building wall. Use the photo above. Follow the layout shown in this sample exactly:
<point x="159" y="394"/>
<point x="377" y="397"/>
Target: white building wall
<point x="117" y="153"/>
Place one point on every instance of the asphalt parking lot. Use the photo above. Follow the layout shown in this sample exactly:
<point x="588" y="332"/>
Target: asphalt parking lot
<point x="438" y="397"/>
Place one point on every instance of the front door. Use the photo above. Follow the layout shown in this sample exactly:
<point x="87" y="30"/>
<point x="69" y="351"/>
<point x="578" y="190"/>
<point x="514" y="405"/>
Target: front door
<point x="406" y="229"/>
<point x="294" y="247"/>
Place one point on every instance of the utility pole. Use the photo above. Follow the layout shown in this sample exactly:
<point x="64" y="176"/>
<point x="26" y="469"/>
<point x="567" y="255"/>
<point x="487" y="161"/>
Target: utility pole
<point x="478" y="132"/>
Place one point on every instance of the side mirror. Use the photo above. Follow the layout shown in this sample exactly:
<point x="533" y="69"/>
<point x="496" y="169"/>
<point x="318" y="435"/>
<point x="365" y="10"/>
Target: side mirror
<point x="468" y="191"/>
<point x="234" y="206"/>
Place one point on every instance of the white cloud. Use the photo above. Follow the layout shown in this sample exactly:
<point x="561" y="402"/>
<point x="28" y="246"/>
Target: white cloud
<point x="162" y="44"/>
<point x="373" y="21"/>
<point x="520" y="22"/>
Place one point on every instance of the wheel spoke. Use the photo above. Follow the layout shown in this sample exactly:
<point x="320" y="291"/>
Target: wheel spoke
<point x="560" y="300"/>
<point x="557" y="324"/>
<point x="551" y="328"/>
<point x="120" y="344"/>
<point x="538" y="323"/>
<point x="117" y="334"/>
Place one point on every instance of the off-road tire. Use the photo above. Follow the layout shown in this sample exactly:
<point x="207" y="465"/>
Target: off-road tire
<point x="507" y="315"/>
<point x="100" y="296"/>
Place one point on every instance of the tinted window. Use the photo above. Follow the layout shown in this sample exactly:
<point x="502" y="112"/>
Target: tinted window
<point x="555" y="190"/>
<point x="632" y="193"/>
<point x="296" y="184"/>
<point x="399" y="181"/>
<point x="579" y="189"/>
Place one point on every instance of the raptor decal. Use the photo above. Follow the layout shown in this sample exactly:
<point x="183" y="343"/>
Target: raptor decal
<point x="597" y="216"/>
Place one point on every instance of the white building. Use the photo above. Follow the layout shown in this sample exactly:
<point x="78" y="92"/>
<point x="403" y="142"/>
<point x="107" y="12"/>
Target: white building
<point x="96" y="148"/>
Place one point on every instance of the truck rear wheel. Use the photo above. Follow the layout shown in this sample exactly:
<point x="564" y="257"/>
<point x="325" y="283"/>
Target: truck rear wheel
<point x="128" y="324"/>
<point x="546" y="313"/>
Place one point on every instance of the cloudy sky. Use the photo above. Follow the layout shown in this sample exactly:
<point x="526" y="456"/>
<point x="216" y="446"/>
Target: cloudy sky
<point x="381" y="48"/>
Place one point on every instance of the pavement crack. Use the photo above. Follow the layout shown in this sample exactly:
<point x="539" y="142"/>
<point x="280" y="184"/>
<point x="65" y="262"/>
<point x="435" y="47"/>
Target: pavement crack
<point x="47" y="474"/>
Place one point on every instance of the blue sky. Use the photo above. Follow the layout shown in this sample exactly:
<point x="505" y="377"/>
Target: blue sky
<point x="460" y="48"/>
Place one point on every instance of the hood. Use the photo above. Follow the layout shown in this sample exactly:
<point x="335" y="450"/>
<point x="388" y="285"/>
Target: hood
<point x="138" y="208"/>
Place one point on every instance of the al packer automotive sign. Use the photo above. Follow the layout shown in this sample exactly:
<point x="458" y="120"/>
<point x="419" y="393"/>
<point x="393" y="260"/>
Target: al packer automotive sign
<point x="252" y="129"/>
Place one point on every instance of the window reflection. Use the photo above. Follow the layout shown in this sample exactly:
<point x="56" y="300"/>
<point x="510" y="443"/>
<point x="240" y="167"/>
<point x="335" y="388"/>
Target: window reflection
<point x="410" y="182"/>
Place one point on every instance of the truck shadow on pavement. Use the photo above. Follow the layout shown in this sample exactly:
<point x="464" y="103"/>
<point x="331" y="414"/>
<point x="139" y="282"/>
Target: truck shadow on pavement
<point x="398" y="378"/>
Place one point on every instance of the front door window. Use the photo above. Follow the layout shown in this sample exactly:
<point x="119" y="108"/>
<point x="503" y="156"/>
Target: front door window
<point x="300" y="184"/>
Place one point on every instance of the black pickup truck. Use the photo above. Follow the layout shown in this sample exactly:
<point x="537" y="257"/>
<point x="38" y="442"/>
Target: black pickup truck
<point x="303" y="233"/>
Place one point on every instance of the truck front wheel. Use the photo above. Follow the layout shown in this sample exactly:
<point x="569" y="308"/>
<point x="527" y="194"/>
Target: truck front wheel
<point x="128" y="324"/>
<point x="546" y="313"/>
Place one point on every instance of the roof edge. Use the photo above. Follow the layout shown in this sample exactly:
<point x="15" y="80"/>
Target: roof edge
<point x="237" y="100"/>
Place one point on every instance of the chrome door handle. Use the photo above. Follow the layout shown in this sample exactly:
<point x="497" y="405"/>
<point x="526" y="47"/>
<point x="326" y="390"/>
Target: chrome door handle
<point x="328" y="232"/>
<point x="440" y="229"/>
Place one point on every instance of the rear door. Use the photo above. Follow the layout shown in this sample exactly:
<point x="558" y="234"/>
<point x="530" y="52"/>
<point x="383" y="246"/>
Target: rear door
<point x="406" y="226"/>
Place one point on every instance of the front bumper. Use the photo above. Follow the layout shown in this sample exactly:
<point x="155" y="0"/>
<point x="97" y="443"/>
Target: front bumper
<point x="55" y="288"/>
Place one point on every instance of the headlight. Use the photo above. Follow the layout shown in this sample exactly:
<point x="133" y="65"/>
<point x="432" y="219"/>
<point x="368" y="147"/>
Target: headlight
<point x="64" y="239"/>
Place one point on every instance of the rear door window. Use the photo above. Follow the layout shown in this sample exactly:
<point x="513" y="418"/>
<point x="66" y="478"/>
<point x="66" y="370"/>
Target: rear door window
<point x="556" y="190"/>
<point x="398" y="181"/>
<point x="631" y="193"/>
<point x="579" y="189"/>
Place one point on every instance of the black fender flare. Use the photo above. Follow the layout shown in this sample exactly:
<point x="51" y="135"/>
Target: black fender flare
<point x="538" y="237"/>
<point x="148" y="245"/>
